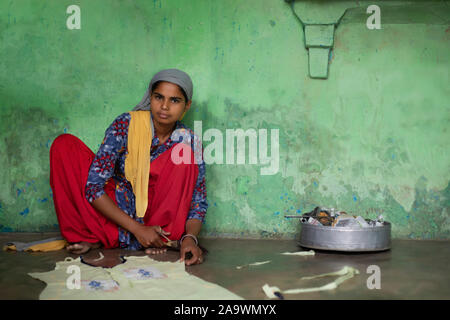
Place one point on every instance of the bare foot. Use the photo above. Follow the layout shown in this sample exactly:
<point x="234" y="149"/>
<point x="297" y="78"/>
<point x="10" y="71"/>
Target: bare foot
<point x="82" y="247"/>
<point x="155" y="250"/>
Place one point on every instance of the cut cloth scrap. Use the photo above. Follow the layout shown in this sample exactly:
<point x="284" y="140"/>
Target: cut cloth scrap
<point x="138" y="278"/>
<point x="297" y="253"/>
<point x="345" y="273"/>
<point x="253" y="264"/>
<point x="300" y="253"/>
<point x="50" y="244"/>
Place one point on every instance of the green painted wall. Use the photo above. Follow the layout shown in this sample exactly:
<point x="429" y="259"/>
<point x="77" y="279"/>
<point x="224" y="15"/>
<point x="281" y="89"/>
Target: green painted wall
<point x="372" y="138"/>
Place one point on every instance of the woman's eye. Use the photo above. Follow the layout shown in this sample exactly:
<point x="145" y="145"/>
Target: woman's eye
<point x="175" y="100"/>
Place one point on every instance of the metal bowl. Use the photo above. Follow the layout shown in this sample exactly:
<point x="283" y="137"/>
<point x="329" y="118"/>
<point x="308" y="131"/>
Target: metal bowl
<point x="345" y="238"/>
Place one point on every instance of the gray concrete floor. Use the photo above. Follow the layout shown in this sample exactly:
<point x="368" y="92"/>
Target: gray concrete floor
<point x="412" y="269"/>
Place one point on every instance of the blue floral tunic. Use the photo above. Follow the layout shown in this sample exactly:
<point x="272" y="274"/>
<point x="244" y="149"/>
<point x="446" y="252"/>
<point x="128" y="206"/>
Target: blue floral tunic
<point x="110" y="162"/>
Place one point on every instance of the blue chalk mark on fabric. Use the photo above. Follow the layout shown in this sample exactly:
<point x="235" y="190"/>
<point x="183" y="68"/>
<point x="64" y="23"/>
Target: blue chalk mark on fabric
<point x="95" y="285"/>
<point x="145" y="273"/>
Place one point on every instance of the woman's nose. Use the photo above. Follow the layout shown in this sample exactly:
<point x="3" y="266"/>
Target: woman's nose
<point x="165" y="105"/>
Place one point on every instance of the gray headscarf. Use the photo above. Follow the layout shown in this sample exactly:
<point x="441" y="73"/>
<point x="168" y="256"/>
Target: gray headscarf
<point x="175" y="76"/>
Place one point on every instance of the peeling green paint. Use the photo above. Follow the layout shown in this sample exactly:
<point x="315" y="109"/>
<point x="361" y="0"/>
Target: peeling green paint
<point x="371" y="139"/>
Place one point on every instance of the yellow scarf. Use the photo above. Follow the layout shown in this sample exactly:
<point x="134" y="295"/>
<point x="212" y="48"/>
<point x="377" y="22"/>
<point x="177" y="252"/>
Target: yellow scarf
<point x="137" y="161"/>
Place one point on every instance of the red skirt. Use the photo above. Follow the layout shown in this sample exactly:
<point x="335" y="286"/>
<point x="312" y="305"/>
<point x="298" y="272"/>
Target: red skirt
<point x="170" y="194"/>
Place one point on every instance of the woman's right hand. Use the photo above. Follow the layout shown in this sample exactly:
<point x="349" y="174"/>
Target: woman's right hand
<point x="149" y="236"/>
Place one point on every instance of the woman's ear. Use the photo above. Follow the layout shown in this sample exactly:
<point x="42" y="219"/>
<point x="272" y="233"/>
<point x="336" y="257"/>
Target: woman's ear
<point x="188" y="106"/>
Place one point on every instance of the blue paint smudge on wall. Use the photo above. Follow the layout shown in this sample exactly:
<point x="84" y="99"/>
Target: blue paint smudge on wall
<point x="217" y="53"/>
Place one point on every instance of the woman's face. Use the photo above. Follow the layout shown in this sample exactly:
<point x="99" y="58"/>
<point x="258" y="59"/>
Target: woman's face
<point x="168" y="103"/>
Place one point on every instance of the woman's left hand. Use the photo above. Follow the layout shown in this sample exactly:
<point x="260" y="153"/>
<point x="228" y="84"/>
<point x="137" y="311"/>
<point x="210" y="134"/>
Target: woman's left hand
<point x="188" y="245"/>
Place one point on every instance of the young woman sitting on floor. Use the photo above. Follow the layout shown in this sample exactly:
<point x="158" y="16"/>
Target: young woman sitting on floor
<point x="132" y="194"/>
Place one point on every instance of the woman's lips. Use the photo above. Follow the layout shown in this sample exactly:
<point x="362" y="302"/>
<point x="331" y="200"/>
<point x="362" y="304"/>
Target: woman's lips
<point x="163" y="115"/>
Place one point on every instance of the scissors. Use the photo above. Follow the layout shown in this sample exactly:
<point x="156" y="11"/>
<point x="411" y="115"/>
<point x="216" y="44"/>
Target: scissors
<point x="170" y="243"/>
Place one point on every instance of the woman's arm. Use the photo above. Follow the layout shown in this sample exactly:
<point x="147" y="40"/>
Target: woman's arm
<point x="197" y="212"/>
<point x="105" y="205"/>
<point x="103" y="165"/>
<point x="193" y="227"/>
<point x="146" y="235"/>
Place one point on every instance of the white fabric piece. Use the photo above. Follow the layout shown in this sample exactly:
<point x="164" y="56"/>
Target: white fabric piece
<point x="253" y="264"/>
<point x="345" y="274"/>
<point x="137" y="278"/>
<point x="100" y="258"/>
<point x="300" y="253"/>
<point x="345" y="270"/>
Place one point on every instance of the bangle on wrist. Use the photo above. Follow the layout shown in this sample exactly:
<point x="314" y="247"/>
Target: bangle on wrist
<point x="191" y="236"/>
